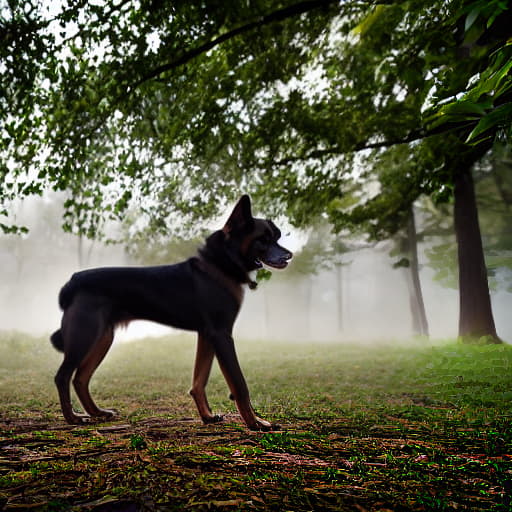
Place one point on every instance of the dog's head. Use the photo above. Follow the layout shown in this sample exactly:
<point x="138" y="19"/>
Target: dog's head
<point x="256" y="239"/>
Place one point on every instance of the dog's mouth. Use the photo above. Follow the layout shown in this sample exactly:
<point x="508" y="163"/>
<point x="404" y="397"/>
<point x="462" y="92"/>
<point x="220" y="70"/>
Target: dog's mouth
<point x="282" y="263"/>
<point x="276" y="257"/>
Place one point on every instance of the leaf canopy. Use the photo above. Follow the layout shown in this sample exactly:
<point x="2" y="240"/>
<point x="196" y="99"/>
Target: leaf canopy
<point x="162" y="112"/>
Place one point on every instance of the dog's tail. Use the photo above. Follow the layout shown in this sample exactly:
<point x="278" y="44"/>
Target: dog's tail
<point x="66" y="295"/>
<point x="57" y="340"/>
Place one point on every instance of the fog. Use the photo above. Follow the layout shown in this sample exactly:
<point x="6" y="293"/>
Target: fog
<point x="363" y="300"/>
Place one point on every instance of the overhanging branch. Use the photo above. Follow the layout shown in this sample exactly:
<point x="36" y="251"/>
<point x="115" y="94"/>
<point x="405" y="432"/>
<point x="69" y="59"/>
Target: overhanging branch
<point x="279" y="15"/>
<point x="413" y="136"/>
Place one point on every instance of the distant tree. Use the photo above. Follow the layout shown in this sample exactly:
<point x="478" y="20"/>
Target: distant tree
<point x="151" y="252"/>
<point x="322" y="251"/>
<point x="407" y="250"/>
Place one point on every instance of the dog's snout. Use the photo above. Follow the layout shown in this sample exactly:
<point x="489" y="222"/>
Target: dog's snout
<point x="287" y="255"/>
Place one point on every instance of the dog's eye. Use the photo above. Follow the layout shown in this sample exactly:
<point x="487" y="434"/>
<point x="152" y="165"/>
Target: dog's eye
<point x="263" y="241"/>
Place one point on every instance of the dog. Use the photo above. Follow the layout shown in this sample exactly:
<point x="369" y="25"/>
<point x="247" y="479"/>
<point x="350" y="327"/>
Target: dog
<point x="202" y="294"/>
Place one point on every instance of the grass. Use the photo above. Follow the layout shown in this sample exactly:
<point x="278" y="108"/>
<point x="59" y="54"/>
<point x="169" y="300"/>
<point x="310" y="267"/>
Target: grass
<point x="416" y="426"/>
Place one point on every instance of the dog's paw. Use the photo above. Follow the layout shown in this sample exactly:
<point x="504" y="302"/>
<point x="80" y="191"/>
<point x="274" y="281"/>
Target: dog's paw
<point x="105" y="414"/>
<point x="261" y="425"/>
<point x="78" y="419"/>
<point x="216" y="418"/>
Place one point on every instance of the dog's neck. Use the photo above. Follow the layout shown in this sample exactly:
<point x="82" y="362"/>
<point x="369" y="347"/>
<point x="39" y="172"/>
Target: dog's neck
<point x="229" y="262"/>
<point x="223" y="279"/>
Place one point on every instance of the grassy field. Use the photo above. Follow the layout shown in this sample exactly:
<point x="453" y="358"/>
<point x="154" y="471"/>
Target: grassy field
<point x="398" y="427"/>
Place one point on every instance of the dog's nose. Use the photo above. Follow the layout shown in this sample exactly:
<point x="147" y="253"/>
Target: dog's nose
<point x="288" y="255"/>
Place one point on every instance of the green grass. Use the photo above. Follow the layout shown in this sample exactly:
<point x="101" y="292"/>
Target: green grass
<point x="397" y="426"/>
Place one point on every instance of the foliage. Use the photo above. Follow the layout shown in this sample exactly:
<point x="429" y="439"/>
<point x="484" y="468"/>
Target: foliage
<point x="119" y="104"/>
<point x="263" y="274"/>
<point x="416" y="427"/>
<point x="24" y="51"/>
<point x="156" y="251"/>
<point x="274" y="98"/>
<point x="485" y="105"/>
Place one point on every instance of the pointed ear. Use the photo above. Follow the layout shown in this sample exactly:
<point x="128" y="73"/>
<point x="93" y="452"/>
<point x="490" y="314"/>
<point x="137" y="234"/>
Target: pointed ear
<point x="241" y="216"/>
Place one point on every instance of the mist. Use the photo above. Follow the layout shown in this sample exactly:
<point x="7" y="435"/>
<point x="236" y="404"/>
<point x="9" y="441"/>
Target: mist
<point x="363" y="300"/>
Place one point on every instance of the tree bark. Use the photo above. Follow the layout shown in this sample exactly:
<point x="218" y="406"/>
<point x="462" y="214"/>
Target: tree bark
<point x="420" y="323"/>
<point x="475" y="315"/>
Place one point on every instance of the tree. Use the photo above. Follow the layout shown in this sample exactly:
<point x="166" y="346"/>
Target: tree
<point x="24" y="51"/>
<point x="482" y="113"/>
<point x="408" y="249"/>
<point x="476" y="319"/>
<point x="493" y="183"/>
<point x="279" y="99"/>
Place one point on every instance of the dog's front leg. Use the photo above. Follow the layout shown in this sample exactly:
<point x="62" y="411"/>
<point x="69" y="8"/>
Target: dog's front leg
<point x="202" y="367"/>
<point x="228" y="361"/>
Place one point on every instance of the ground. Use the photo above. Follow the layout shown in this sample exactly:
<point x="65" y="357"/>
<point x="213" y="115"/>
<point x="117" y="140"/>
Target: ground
<point x="416" y="426"/>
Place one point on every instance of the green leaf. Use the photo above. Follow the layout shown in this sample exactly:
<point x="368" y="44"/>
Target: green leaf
<point x="459" y="111"/>
<point x="263" y="275"/>
<point x="368" y="21"/>
<point x="462" y="107"/>
<point x="498" y="117"/>
<point x="402" y="263"/>
<point x="471" y="18"/>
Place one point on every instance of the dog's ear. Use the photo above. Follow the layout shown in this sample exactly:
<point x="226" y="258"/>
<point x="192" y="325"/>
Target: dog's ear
<point x="241" y="217"/>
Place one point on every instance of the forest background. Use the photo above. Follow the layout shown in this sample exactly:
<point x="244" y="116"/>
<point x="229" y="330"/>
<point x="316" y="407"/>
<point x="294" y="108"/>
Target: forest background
<point x="358" y="122"/>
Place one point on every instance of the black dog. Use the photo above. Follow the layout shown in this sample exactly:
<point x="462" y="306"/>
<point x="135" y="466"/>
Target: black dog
<point x="202" y="294"/>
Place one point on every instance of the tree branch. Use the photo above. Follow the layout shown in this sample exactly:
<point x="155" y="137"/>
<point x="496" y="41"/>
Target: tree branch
<point x="279" y="15"/>
<point x="413" y="136"/>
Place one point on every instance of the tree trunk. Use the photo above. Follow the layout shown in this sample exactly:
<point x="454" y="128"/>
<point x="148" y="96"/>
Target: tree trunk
<point x="408" y="247"/>
<point x="475" y="315"/>
<point x="308" y="302"/>
<point x="339" y="296"/>
<point x="417" y="303"/>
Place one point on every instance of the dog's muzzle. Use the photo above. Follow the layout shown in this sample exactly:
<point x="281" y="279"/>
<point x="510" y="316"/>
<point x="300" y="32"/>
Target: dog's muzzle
<point x="276" y="257"/>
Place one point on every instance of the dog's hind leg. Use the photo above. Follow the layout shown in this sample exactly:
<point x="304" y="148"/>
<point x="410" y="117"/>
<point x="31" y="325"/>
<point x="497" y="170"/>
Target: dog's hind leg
<point x="62" y="381"/>
<point x="202" y="367"/>
<point x="85" y="371"/>
<point x="82" y="326"/>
